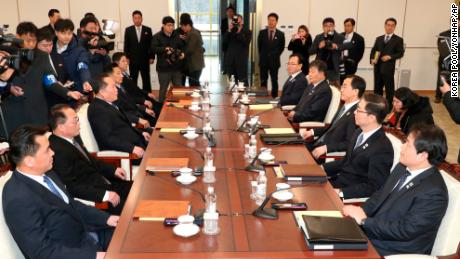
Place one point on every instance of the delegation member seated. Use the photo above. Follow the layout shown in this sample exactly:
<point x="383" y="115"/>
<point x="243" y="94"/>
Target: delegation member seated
<point x="84" y="176"/>
<point x="111" y="127"/>
<point x="295" y="84"/>
<point x="403" y="217"/>
<point x="369" y="157"/>
<point x="43" y="218"/>
<point x="315" y="100"/>
<point x="337" y="136"/>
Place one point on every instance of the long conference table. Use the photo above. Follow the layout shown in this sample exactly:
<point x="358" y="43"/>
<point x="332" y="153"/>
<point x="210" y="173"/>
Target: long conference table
<point x="242" y="235"/>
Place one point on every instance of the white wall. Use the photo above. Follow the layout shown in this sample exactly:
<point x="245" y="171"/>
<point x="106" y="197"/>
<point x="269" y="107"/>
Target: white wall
<point x="418" y="23"/>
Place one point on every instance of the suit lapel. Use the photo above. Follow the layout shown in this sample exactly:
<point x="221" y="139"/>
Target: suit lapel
<point x="368" y="142"/>
<point x="343" y="118"/>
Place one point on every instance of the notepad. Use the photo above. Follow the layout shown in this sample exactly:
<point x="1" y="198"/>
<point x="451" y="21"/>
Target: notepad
<point x="171" y="130"/>
<point x="308" y="173"/>
<point x="166" y="164"/>
<point x="278" y="130"/>
<point x="182" y="90"/>
<point x="258" y="107"/>
<point x="184" y="102"/>
<point x="171" y="124"/>
<point x="158" y="210"/>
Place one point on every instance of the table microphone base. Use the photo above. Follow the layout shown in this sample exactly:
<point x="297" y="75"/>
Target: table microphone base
<point x="266" y="213"/>
<point x="254" y="168"/>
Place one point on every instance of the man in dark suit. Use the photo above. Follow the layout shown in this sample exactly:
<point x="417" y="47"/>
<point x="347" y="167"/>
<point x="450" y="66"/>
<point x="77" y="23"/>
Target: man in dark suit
<point x="444" y="37"/>
<point x="387" y="49"/>
<point x="315" y="100"/>
<point x="237" y="39"/>
<point x="403" y="217"/>
<point x="138" y="39"/>
<point x="452" y="105"/>
<point x="295" y="84"/>
<point x="110" y="126"/>
<point x="338" y="135"/>
<point x="224" y="25"/>
<point x="328" y="47"/>
<point x="84" y="176"/>
<point x="367" y="163"/>
<point x="270" y="44"/>
<point x="43" y="218"/>
<point x="352" y="56"/>
<point x="54" y="15"/>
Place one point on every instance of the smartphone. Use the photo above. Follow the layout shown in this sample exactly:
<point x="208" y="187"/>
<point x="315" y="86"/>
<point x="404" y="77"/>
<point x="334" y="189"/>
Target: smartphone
<point x="289" y="206"/>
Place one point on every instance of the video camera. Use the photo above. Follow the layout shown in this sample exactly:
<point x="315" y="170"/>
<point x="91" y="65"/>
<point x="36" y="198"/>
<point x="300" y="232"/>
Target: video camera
<point x="445" y="54"/>
<point x="173" y="56"/>
<point x="12" y="45"/>
<point x="329" y="40"/>
<point x="102" y="43"/>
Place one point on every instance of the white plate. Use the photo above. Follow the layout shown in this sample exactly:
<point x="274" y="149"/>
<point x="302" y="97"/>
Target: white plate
<point x="190" y="137"/>
<point x="195" y="95"/>
<point x="246" y="101"/>
<point x="266" y="158"/>
<point x="186" y="180"/>
<point x="283" y="195"/>
<point x="241" y="89"/>
<point x="186" y="230"/>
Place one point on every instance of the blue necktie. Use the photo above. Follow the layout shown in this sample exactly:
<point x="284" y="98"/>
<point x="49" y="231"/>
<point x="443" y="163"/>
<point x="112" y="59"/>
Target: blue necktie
<point x="51" y="186"/>
<point x="359" y="141"/>
<point x="401" y="181"/>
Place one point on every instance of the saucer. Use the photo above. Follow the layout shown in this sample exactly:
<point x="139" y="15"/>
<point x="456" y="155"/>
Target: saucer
<point x="241" y="88"/>
<point x="195" y="95"/>
<point x="190" y="137"/>
<point x="246" y="101"/>
<point x="266" y="158"/>
<point x="186" y="180"/>
<point x="283" y="195"/>
<point x="186" y="230"/>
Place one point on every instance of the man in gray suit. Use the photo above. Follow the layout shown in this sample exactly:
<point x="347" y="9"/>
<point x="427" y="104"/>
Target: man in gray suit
<point x="194" y="51"/>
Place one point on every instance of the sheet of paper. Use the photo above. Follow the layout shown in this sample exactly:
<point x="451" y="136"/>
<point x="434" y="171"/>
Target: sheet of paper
<point x="279" y="130"/>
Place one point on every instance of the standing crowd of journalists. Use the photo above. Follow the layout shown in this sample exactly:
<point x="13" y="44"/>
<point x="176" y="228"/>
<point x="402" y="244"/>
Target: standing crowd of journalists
<point x="48" y="73"/>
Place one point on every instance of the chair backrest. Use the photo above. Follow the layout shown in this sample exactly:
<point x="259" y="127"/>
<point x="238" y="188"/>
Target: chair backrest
<point x="448" y="236"/>
<point x="86" y="133"/>
<point x="396" y="143"/>
<point x="333" y="106"/>
<point x="8" y="247"/>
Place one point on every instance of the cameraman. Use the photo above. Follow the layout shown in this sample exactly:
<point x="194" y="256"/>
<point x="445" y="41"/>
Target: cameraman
<point x="76" y="58"/>
<point x="452" y="104"/>
<point x="168" y="46"/>
<point x="91" y="39"/>
<point x="27" y="103"/>
<point x="237" y="41"/>
<point x="328" y="47"/>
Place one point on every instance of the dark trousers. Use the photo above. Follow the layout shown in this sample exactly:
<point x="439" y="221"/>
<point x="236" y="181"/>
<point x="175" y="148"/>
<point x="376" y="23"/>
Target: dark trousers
<point x="438" y="83"/>
<point x="387" y="80"/>
<point x="273" y="70"/>
<point x="194" y="78"/>
<point x="238" y="67"/>
<point x="122" y="188"/>
<point x="164" y="78"/>
<point x="134" y="70"/>
<point x="350" y="69"/>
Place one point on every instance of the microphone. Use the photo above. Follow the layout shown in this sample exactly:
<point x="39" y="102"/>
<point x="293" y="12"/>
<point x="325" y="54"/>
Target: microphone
<point x="242" y="128"/>
<point x="186" y="111"/>
<point x="211" y="139"/>
<point x="182" y="144"/>
<point x="269" y="213"/>
<point x="257" y="168"/>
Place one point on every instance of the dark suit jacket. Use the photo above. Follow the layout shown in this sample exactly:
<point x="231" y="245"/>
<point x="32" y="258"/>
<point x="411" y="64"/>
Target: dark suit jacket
<point x="138" y="53"/>
<point x="364" y="169"/>
<point x="324" y="52"/>
<point x="453" y="106"/>
<point x="406" y="221"/>
<point x="314" y="103"/>
<point x="340" y="132"/>
<point x="43" y="225"/>
<point x="356" y="52"/>
<point x="270" y="50"/>
<point x="128" y="105"/>
<point x="83" y="177"/>
<point x="112" y="129"/>
<point x="293" y="90"/>
<point x="394" y="48"/>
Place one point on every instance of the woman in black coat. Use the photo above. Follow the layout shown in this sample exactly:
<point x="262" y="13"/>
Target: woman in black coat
<point x="409" y="109"/>
<point x="300" y="44"/>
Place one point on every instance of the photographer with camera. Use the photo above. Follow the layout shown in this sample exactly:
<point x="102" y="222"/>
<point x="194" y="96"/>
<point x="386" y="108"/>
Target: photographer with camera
<point x="452" y="103"/>
<point x="168" y="46"/>
<point x="93" y="41"/>
<point x="328" y="47"/>
<point x="33" y="75"/>
<point x="76" y="58"/>
<point x="237" y="41"/>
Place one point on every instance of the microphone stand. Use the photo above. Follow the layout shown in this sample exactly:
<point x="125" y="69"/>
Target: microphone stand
<point x="186" y="111"/>
<point x="181" y="144"/>
<point x="242" y="127"/>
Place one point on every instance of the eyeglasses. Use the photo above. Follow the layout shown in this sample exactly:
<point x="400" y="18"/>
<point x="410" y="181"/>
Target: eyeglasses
<point x="361" y="111"/>
<point x="291" y="64"/>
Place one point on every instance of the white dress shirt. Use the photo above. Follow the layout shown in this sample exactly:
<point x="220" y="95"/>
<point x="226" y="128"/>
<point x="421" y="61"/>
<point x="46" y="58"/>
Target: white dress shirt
<point x="348" y="38"/>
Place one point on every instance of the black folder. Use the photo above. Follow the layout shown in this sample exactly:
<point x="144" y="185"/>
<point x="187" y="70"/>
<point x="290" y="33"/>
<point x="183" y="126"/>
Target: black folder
<point x="289" y="138"/>
<point x="329" y="233"/>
